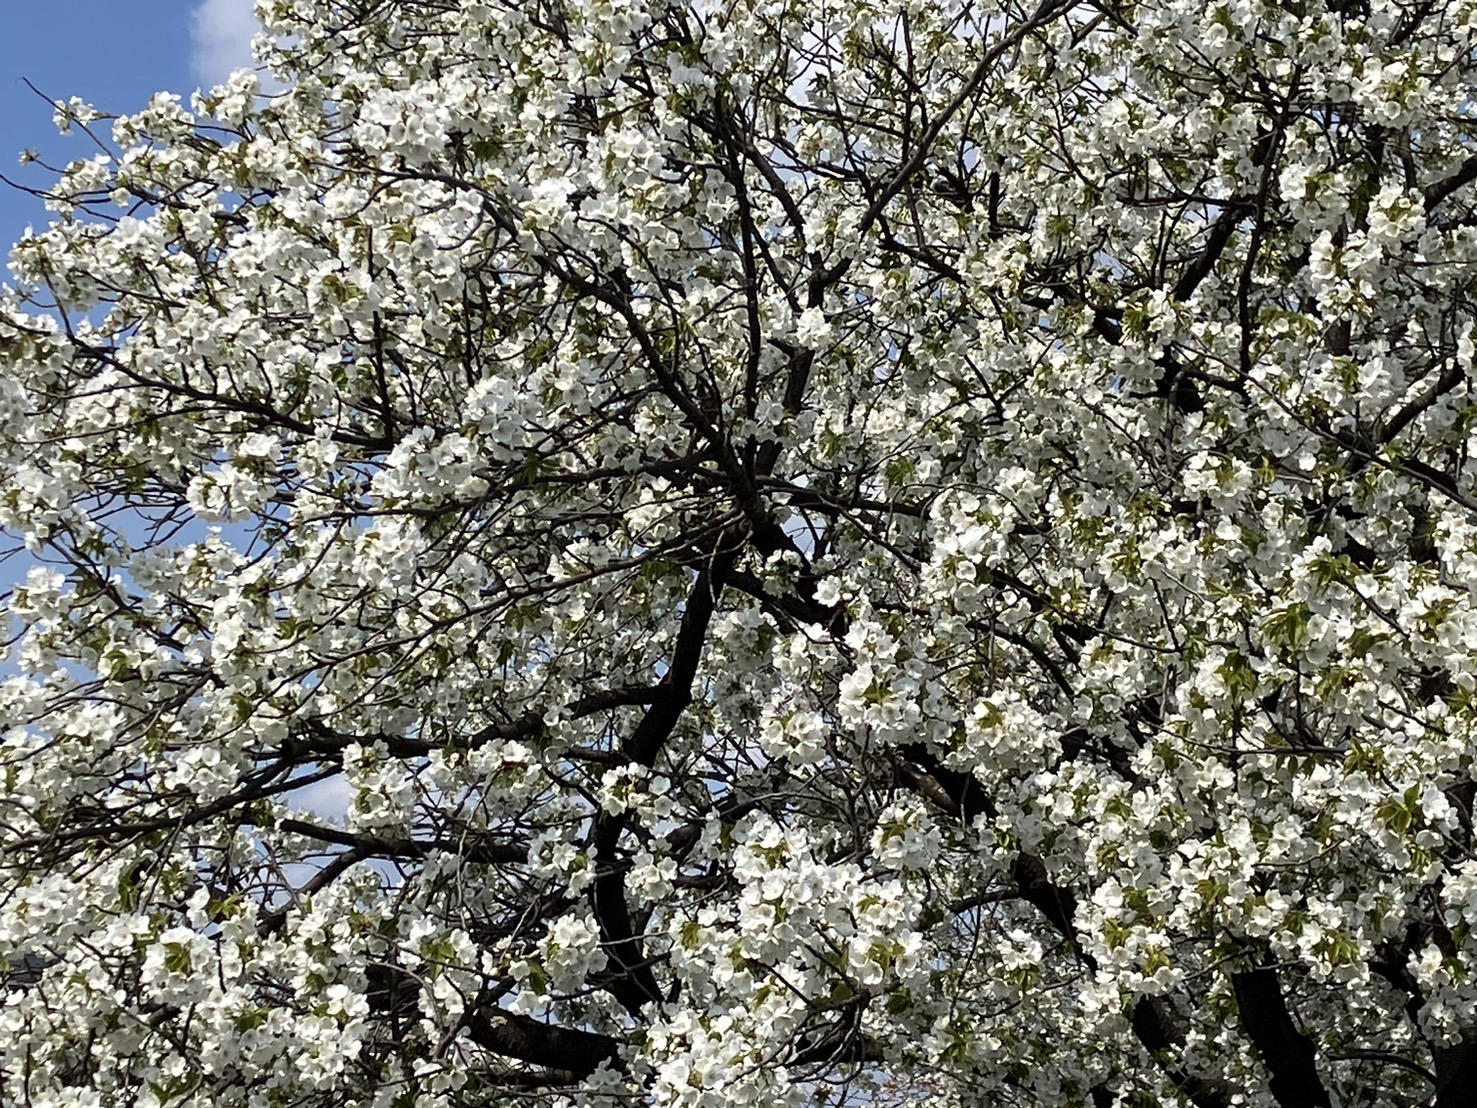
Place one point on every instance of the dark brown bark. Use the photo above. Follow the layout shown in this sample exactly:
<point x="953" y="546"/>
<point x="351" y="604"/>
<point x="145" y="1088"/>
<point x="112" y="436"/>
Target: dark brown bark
<point x="630" y="979"/>
<point x="1288" y="1054"/>
<point x="541" y="1044"/>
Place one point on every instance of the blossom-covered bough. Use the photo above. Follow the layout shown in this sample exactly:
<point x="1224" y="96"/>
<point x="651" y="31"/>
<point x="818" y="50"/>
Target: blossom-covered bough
<point x="604" y="553"/>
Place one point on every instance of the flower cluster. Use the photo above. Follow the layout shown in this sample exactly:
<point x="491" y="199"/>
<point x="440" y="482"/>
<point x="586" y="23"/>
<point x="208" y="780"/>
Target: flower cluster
<point x="742" y="554"/>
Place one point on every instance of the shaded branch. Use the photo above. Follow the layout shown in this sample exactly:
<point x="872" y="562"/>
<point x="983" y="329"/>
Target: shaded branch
<point x="557" y="1048"/>
<point x="476" y="848"/>
<point x="1288" y="1054"/>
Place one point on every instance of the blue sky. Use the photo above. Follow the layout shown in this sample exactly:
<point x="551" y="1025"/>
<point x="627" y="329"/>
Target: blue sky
<point x="114" y="56"/>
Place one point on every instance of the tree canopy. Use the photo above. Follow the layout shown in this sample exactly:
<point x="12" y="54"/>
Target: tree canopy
<point x="774" y="553"/>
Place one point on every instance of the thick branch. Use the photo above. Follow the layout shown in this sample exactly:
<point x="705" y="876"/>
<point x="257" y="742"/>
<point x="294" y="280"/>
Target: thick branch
<point x="1466" y="173"/>
<point x="1288" y="1054"/>
<point x="1456" y="1073"/>
<point x="1215" y="245"/>
<point x="541" y="1044"/>
<point x="470" y="848"/>
<point x="1155" y="1028"/>
<point x="322" y="740"/>
<point x="646" y="741"/>
<point x="1454" y="375"/>
<point x="632" y="981"/>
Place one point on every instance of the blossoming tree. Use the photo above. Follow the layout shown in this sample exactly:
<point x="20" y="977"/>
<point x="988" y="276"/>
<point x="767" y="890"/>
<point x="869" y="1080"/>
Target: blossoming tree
<point x="765" y="553"/>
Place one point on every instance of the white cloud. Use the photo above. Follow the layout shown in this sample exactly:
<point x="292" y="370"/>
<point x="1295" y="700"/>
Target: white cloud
<point x="220" y="35"/>
<point x="328" y="799"/>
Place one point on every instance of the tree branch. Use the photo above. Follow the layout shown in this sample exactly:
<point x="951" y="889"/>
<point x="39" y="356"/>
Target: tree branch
<point x="1288" y="1054"/>
<point x="541" y="1044"/>
<point x="471" y="848"/>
